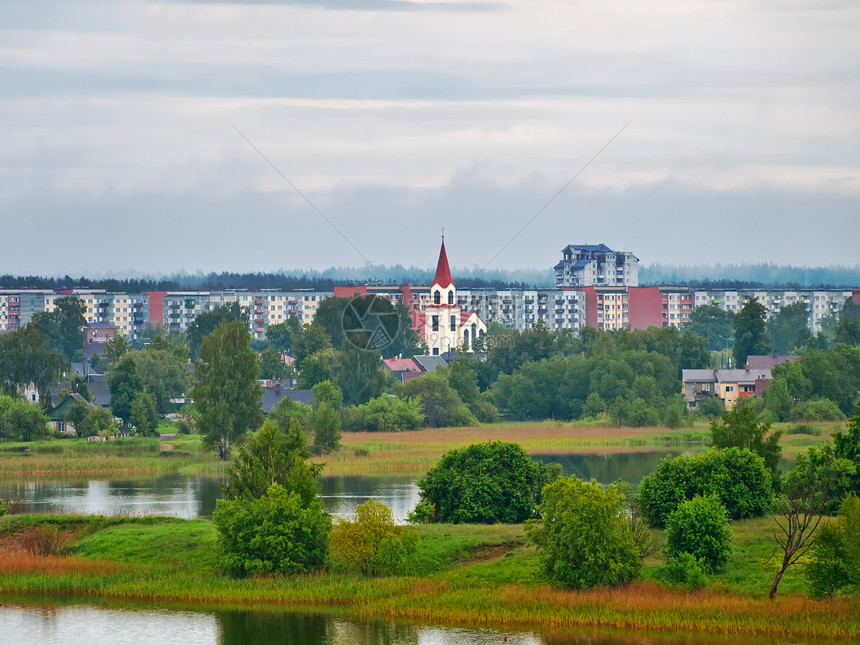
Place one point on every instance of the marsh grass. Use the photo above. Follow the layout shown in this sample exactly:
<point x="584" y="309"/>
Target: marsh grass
<point x="471" y="576"/>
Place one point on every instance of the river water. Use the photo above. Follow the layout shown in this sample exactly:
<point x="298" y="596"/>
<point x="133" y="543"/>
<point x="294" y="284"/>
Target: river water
<point x="194" y="496"/>
<point x="53" y="624"/>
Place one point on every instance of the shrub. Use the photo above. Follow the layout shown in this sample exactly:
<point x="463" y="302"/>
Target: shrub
<point x="3" y="508"/>
<point x="819" y="409"/>
<point x="276" y="533"/>
<point x="45" y="539"/>
<point x="738" y="478"/>
<point x="583" y="537"/>
<point x="494" y="482"/>
<point x="700" y="527"/>
<point x="422" y="513"/>
<point x="683" y="570"/>
<point x="804" y="428"/>
<point x="836" y="555"/>
<point x="384" y="414"/>
<point x="373" y="543"/>
<point x="711" y="407"/>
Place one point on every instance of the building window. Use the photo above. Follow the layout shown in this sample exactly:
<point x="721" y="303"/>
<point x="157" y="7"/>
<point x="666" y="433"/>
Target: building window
<point x="435" y="351"/>
<point x="706" y="387"/>
<point x="730" y="388"/>
<point x="453" y="323"/>
<point x="450" y="297"/>
<point x="437" y="297"/>
<point x="435" y="323"/>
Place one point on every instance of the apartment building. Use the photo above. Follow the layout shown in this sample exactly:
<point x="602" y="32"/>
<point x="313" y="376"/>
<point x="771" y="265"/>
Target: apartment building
<point x="271" y="307"/>
<point x="596" y="265"/>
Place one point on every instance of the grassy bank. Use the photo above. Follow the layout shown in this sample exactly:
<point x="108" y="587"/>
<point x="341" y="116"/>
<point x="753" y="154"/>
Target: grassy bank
<point x="406" y="453"/>
<point x="465" y="575"/>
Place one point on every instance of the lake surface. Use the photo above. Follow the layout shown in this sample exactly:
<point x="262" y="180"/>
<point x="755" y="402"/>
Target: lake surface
<point x="50" y="624"/>
<point x="190" y="496"/>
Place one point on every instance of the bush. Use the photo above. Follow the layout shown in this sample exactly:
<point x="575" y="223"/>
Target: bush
<point x="738" y="478"/>
<point x="494" y="482"/>
<point x="3" y="508"/>
<point x="711" y="407"/>
<point x="422" y="513"/>
<point x="373" y="543"/>
<point x="683" y="570"/>
<point x="276" y="533"/>
<point x="816" y="410"/>
<point x="383" y="414"/>
<point x="46" y="539"/>
<point x="804" y="428"/>
<point x="700" y="527"/>
<point x="583" y="537"/>
<point x="836" y="555"/>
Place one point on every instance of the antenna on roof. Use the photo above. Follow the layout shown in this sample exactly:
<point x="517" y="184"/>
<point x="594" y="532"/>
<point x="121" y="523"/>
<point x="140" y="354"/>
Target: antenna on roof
<point x="443" y="233"/>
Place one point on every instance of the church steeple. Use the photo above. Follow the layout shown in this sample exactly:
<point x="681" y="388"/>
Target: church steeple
<point x="443" y="272"/>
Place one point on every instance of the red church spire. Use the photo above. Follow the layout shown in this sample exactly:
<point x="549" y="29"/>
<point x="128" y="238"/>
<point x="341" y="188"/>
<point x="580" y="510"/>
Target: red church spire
<point x="443" y="273"/>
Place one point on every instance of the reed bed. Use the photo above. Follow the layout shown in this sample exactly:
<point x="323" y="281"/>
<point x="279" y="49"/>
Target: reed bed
<point x="172" y="561"/>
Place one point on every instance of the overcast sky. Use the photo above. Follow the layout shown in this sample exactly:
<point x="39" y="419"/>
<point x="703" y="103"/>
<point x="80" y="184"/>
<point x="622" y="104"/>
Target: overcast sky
<point x="118" y="151"/>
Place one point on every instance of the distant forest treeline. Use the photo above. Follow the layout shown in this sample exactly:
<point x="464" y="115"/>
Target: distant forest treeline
<point x="747" y="276"/>
<point x="285" y="280"/>
<point x="730" y="276"/>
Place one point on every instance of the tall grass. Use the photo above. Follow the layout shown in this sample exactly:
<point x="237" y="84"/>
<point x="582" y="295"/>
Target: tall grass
<point x="169" y="560"/>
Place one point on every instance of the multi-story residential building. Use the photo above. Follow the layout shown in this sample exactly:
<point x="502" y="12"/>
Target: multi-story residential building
<point x="519" y="309"/>
<point x="821" y="303"/>
<point x="596" y="265"/>
<point x="271" y="307"/>
<point x="180" y="308"/>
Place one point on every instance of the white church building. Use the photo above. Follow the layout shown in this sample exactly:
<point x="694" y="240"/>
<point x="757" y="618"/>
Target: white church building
<point x="442" y="323"/>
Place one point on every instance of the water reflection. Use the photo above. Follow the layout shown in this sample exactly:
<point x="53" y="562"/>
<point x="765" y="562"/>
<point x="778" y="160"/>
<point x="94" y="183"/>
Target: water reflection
<point x="607" y="468"/>
<point x="340" y="495"/>
<point x="186" y="496"/>
<point x="52" y="625"/>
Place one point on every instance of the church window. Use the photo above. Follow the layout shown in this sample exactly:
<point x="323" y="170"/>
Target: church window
<point x="453" y="323"/>
<point x="435" y="323"/>
<point x="437" y="297"/>
<point x="451" y="297"/>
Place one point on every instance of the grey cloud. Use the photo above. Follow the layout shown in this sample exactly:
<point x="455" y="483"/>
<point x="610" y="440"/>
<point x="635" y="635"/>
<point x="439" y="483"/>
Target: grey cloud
<point x="363" y="5"/>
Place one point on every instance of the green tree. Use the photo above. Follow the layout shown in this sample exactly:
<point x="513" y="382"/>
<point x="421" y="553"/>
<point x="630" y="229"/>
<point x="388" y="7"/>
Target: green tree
<point x="124" y="383"/>
<point x="144" y="414"/>
<point x="276" y="533"/>
<point x="700" y="527"/>
<point x="847" y="446"/>
<point x="373" y="543"/>
<point x="289" y="411"/>
<point x="787" y="327"/>
<point x="21" y="421"/>
<point x="115" y="349"/>
<point x="209" y="321"/>
<point x="89" y="420"/>
<point x="494" y="482"/>
<point x="383" y="414"/>
<point x="272" y="365"/>
<point x="311" y="339"/>
<point x="738" y="478"/>
<point x="226" y="390"/>
<point x="809" y="489"/>
<point x="318" y="367"/>
<point x="281" y="335"/>
<point x="26" y="358"/>
<point x="64" y="327"/>
<point x="848" y="331"/>
<point x="268" y="457"/>
<point x="583" y="537"/>
<point x="440" y="404"/>
<point x="835" y="561"/>
<point x="358" y="375"/>
<point x="750" y="332"/>
<point x="326" y="429"/>
<point x="742" y="428"/>
<point x="163" y="374"/>
<point x="713" y="324"/>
